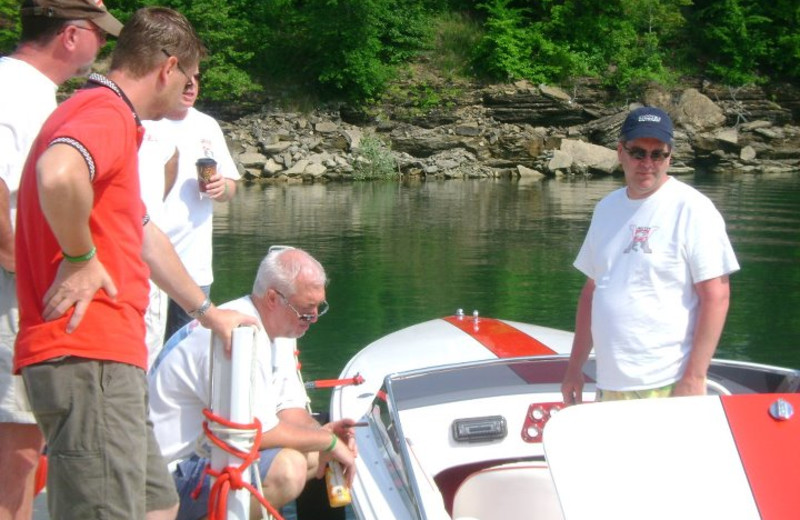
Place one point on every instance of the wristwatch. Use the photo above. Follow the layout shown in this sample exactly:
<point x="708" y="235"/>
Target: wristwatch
<point x="200" y="311"/>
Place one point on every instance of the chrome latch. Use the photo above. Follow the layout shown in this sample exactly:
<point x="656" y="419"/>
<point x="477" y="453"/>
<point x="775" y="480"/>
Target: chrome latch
<point x="781" y="410"/>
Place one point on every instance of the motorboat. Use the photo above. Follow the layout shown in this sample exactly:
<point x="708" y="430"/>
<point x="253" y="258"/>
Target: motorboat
<point x="466" y="421"/>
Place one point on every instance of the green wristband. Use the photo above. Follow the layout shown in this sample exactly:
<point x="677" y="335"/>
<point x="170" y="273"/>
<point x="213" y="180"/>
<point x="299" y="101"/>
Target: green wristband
<point x="332" y="444"/>
<point x="82" y="258"/>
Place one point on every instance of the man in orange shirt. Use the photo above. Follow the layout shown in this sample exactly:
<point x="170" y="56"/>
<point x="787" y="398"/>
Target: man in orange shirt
<point x="84" y="251"/>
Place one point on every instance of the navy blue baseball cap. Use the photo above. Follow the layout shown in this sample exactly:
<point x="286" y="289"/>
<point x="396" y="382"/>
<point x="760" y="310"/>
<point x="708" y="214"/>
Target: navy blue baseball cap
<point x="647" y="122"/>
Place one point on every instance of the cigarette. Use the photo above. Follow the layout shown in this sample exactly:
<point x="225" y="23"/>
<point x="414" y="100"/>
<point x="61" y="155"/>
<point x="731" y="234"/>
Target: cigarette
<point x="359" y="424"/>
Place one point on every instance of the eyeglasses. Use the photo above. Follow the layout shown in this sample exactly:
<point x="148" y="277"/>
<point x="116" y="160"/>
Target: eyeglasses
<point x="178" y="64"/>
<point x="640" y="154"/>
<point x="93" y="28"/>
<point x="322" y="308"/>
<point x="278" y="248"/>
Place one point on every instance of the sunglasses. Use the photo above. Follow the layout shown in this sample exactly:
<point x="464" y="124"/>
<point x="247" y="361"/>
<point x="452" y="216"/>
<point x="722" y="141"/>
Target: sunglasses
<point x="640" y="154"/>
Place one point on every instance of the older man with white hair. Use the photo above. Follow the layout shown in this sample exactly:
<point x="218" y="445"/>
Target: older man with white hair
<point x="288" y="296"/>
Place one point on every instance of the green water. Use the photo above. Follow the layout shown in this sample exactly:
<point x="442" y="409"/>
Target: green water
<point x="401" y="253"/>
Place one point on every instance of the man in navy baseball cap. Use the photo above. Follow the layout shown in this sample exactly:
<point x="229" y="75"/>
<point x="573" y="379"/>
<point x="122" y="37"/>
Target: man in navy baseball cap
<point x="657" y="261"/>
<point x="644" y="149"/>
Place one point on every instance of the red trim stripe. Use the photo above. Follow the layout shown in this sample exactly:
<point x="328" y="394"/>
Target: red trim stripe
<point x="500" y="338"/>
<point x="769" y="450"/>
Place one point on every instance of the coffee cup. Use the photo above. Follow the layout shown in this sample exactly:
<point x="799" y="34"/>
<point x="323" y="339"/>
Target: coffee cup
<point x="206" y="169"/>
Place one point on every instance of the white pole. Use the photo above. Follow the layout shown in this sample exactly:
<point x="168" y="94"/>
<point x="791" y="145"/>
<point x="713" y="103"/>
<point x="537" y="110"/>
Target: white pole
<point x="231" y="399"/>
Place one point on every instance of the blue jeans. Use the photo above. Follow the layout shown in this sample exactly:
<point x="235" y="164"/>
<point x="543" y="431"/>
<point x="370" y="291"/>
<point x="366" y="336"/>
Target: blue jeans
<point x="188" y="474"/>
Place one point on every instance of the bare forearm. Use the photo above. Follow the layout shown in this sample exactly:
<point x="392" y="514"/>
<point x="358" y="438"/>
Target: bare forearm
<point x="229" y="191"/>
<point x="572" y="385"/>
<point x="711" y="317"/>
<point x="298" y="417"/>
<point x="304" y="439"/>
<point x="582" y="342"/>
<point x="167" y="270"/>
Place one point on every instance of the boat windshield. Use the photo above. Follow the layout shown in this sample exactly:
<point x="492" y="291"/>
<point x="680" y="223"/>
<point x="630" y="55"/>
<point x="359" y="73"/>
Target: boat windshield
<point x="477" y="380"/>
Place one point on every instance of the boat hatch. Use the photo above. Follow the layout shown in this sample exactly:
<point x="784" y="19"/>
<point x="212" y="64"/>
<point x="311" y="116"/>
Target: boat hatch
<point x="688" y="457"/>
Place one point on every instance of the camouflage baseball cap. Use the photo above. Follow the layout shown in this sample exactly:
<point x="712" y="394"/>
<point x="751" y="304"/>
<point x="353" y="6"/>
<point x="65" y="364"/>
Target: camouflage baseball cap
<point x="92" y="10"/>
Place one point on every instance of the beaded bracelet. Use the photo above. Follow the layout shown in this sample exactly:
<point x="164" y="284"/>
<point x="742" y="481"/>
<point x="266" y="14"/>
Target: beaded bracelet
<point x="81" y="258"/>
<point x="333" y="443"/>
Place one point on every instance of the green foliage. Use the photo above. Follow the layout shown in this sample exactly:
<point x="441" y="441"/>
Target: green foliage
<point x="781" y="37"/>
<point x="729" y="33"/>
<point x="506" y="48"/>
<point x="352" y="49"/>
<point x="374" y="160"/>
<point x="454" y="36"/>
<point x="9" y="25"/>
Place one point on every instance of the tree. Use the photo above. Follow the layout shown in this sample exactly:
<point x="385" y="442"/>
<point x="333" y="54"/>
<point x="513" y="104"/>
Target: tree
<point x="9" y="25"/>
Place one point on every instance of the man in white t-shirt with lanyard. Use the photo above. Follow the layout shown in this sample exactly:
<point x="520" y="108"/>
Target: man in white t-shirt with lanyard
<point x="187" y="212"/>
<point x="657" y="260"/>
<point x="158" y="165"/>
<point x="288" y="296"/>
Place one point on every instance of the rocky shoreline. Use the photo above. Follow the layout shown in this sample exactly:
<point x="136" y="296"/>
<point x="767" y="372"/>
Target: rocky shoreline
<point x="519" y="130"/>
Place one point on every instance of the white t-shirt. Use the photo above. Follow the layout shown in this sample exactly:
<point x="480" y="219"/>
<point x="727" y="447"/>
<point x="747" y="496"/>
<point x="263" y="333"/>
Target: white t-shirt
<point x="27" y="97"/>
<point x="188" y="215"/>
<point x="645" y="257"/>
<point x="156" y="150"/>
<point x="179" y="384"/>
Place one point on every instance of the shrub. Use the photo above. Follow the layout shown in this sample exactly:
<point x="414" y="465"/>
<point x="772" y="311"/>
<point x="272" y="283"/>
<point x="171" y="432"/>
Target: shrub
<point x="374" y="160"/>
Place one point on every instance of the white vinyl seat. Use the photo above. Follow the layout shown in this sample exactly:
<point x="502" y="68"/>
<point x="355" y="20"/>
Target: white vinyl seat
<point x="517" y="491"/>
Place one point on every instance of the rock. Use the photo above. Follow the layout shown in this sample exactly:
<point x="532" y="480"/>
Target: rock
<point x="767" y="132"/>
<point x="528" y="173"/>
<point x="252" y="159"/>
<point x="560" y="161"/>
<point x="696" y="111"/>
<point x="727" y="135"/>
<point x="555" y="93"/>
<point x="298" y="168"/>
<point x="277" y="147"/>
<point x="591" y="156"/>
<point x="326" y="127"/>
<point x="656" y="96"/>
<point x="754" y="125"/>
<point x="315" y="169"/>
<point x="518" y="131"/>
<point x="470" y="130"/>
<point x="271" y="167"/>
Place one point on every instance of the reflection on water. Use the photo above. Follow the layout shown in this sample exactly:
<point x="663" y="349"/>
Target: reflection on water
<point x="397" y="254"/>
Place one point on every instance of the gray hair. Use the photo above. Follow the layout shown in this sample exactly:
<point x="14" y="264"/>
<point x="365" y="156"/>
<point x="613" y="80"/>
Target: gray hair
<point x="281" y="268"/>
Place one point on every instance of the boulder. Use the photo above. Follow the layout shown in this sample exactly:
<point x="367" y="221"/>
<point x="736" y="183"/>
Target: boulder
<point x="591" y="156"/>
<point x="696" y="111"/>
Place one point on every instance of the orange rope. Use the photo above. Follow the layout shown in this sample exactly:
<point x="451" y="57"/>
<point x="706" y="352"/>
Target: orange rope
<point x="231" y="477"/>
<point x="330" y="383"/>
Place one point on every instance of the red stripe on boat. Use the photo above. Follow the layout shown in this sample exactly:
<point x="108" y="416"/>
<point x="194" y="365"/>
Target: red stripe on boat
<point x="499" y="337"/>
<point x="769" y="450"/>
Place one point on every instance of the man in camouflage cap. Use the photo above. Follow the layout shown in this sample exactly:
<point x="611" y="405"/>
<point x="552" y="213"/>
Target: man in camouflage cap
<point x="59" y="40"/>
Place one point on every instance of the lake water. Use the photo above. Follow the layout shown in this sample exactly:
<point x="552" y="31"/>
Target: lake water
<point x="398" y="253"/>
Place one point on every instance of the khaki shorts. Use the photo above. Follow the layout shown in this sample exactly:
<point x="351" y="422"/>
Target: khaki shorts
<point x="625" y="395"/>
<point x="103" y="459"/>
<point x="14" y="406"/>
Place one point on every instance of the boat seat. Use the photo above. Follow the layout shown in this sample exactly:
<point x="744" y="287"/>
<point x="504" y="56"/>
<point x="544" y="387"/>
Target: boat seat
<point x="517" y="491"/>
